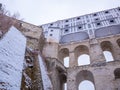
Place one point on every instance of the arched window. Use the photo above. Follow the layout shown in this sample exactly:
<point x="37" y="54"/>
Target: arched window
<point x="117" y="73"/>
<point x="108" y="56"/>
<point x="118" y="42"/>
<point x="86" y="85"/>
<point x="63" y="53"/>
<point x="66" y="61"/>
<point x="82" y="55"/>
<point x="65" y="86"/>
<point x="107" y="48"/>
<point x="86" y="76"/>
<point x="83" y="59"/>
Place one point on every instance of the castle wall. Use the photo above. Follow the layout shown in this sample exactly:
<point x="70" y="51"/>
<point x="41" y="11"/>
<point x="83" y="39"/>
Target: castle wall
<point x="12" y="50"/>
<point x="50" y="50"/>
<point x="102" y="71"/>
<point x="103" y="76"/>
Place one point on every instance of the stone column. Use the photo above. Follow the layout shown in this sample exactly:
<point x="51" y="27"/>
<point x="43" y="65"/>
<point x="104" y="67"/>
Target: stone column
<point x="55" y="79"/>
<point x="71" y="84"/>
<point x="71" y="79"/>
<point x="72" y="61"/>
<point x="96" y="53"/>
<point x="116" y="49"/>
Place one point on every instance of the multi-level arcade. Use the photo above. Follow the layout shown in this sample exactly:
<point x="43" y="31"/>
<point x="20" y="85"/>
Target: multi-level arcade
<point x="92" y="35"/>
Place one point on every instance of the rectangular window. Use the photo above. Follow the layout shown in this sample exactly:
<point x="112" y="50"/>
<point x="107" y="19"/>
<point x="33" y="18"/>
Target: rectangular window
<point x="67" y="25"/>
<point x="95" y="14"/>
<point x="80" y="27"/>
<point x="96" y="19"/>
<point x="106" y="12"/>
<point x="66" y="21"/>
<point x="51" y="30"/>
<point x="119" y="9"/>
<point x="51" y="34"/>
<point x="78" y="18"/>
<point x="66" y="30"/>
<point x="111" y="21"/>
<point x="51" y="24"/>
<point x="98" y="24"/>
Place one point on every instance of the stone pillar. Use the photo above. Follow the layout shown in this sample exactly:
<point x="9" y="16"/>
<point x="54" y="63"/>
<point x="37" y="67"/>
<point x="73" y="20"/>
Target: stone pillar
<point x="116" y="49"/>
<point x="72" y="61"/>
<point x="103" y="82"/>
<point x="71" y="84"/>
<point x="96" y="53"/>
<point x="71" y="79"/>
<point x="55" y="79"/>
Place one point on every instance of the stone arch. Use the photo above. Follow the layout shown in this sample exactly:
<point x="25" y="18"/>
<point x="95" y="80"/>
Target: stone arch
<point x="62" y="54"/>
<point x="73" y="37"/>
<point x="84" y="75"/>
<point x="117" y="73"/>
<point x="81" y="50"/>
<point x="107" y="31"/>
<point x="86" y="85"/>
<point x="118" y="42"/>
<point x="107" y="46"/>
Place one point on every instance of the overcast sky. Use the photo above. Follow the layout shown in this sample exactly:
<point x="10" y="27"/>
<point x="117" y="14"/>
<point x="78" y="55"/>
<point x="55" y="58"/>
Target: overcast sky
<point x="44" y="11"/>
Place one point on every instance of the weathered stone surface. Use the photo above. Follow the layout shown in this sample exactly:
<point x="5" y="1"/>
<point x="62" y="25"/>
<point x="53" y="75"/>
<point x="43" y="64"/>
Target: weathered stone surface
<point x="12" y="50"/>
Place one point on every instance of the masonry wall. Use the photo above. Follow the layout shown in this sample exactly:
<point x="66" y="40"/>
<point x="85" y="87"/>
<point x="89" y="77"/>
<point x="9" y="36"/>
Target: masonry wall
<point x="100" y="72"/>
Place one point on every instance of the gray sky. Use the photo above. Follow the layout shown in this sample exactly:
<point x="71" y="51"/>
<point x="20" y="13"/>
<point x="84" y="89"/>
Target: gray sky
<point x="44" y="11"/>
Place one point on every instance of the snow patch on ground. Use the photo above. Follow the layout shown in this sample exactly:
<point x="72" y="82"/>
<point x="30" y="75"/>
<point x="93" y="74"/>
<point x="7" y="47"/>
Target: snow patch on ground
<point x="12" y="51"/>
<point x="45" y="78"/>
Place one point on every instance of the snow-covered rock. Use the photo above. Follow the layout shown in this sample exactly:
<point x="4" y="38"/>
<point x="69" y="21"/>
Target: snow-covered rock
<point x="12" y="51"/>
<point x="47" y="85"/>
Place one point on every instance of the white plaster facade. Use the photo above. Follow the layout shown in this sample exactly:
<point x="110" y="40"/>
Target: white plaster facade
<point x="84" y="24"/>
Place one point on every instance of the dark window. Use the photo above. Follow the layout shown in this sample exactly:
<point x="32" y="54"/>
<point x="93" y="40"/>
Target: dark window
<point x="66" y="21"/>
<point x="118" y="9"/>
<point x="66" y="30"/>
<point x="80" y="27"/>
<point x="95" y="14"/>
<point x="66" y="25"/>
<point x="51" y="30"/>
<point x="78" y="18"/>
<point x="98" y="24"/>
<point x="50" y="34"/>
<point x="117" y="73"/>
<point x="96" y="19"/>
<point x="106" y="12"/>
<point x="111" y="21"/>
<point x="51" y="24"/>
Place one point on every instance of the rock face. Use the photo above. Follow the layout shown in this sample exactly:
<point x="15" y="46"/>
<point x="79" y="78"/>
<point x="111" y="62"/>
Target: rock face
<point x="12" y="51"/>
<point x="45" y="78"/>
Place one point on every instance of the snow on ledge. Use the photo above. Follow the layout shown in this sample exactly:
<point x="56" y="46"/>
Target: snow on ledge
<point x="47" y="85"/>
